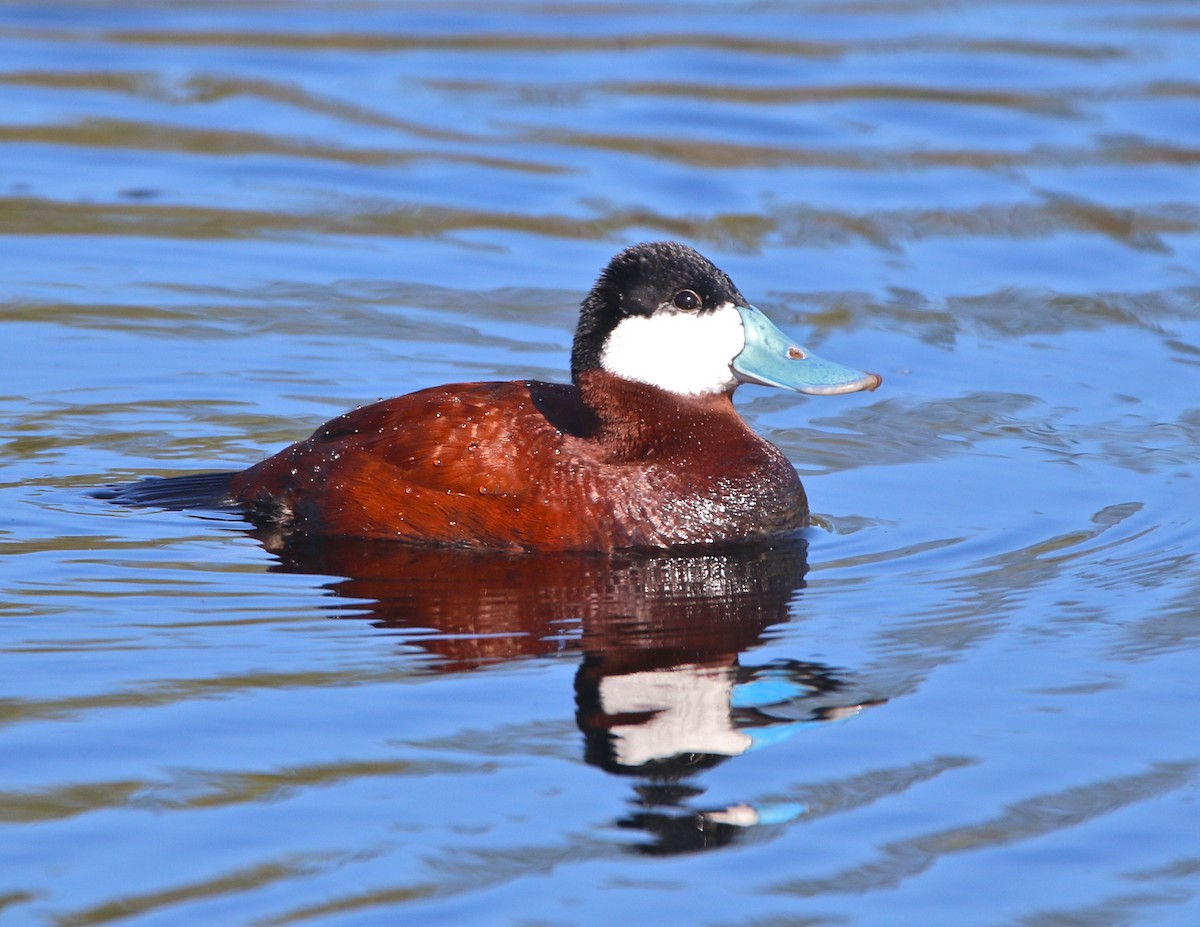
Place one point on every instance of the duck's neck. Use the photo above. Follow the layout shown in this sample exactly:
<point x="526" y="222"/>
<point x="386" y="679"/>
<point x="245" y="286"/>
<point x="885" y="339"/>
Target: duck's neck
<point x="639" y="421"/>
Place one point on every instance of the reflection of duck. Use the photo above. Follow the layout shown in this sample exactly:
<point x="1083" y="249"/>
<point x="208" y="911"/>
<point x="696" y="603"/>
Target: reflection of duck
<point x="644" y="449"/>
<point x="661" y="692"/>
<point x="666" y="725"/>
<point x="649" y="721"/>
<point x="639" y="610"/>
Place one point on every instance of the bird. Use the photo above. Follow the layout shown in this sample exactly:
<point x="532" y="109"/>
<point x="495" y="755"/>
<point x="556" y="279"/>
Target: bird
<point x="643" y="449"/>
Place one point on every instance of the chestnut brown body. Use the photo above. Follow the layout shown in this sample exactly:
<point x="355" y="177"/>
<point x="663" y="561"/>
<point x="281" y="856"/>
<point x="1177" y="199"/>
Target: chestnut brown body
<point x="600" y="465"/>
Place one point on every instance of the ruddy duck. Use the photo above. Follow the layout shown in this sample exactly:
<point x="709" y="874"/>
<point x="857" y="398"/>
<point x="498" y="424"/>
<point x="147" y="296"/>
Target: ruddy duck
<point x="643" y="449"/>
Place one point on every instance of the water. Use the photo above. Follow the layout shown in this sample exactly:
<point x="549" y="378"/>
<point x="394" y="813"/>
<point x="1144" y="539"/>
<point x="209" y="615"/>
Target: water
<point x="966" y="697"/>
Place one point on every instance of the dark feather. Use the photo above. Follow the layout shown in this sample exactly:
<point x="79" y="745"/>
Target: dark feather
<point x="196" y="490"/>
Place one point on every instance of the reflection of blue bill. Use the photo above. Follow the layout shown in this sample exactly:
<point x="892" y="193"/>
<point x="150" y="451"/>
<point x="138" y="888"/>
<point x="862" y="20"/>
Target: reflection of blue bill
<point x="780" y="812"/>
<point x="768" y="690"/>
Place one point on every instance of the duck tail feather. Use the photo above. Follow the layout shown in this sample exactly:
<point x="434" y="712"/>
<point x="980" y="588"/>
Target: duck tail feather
<point x="195" y="490"/>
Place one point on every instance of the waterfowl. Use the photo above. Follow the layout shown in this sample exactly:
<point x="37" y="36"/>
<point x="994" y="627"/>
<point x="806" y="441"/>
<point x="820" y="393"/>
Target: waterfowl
<point x="643" y="449"/>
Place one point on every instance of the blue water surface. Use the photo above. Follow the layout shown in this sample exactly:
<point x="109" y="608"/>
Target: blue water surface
<point x="966" y="697"/>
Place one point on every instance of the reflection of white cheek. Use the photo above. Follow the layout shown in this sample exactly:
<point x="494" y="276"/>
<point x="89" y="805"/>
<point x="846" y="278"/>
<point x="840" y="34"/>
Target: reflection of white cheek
<point x="691" y="714"/>
<point x="686" y="353"/>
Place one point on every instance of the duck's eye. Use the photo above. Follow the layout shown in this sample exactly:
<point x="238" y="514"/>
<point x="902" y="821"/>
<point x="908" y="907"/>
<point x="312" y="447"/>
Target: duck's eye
<point x="687" y="299"/>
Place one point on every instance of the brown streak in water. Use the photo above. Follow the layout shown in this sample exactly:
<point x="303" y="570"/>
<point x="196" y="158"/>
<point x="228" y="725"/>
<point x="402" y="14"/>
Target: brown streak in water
<point x="148" y="136"/>
<point x="1140" y="229"/>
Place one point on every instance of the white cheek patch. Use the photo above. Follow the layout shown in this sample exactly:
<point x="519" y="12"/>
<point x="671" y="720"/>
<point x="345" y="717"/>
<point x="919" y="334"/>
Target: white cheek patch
<point x="683" y="352"/>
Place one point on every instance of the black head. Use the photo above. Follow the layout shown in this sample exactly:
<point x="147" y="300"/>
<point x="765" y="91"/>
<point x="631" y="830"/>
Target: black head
<point x="663" y="315"/>
<point x="643" y="280"/>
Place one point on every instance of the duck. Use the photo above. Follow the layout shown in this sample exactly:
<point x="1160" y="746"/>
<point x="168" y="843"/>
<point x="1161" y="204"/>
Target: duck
<point x="643" y="449"/>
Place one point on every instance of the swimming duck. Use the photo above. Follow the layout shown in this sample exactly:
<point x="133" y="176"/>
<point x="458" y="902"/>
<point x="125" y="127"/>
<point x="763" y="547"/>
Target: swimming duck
<point x="643" y="449"/>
